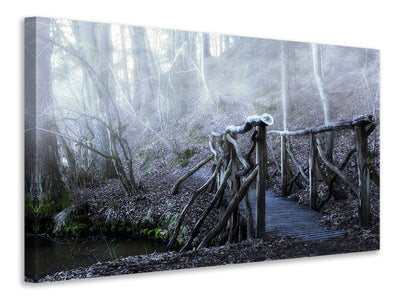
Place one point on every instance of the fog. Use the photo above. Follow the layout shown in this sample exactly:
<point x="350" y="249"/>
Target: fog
<point x="106" y="93"/>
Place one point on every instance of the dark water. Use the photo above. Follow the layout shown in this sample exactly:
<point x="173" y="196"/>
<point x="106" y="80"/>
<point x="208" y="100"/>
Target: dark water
<point x="44" y="257"/>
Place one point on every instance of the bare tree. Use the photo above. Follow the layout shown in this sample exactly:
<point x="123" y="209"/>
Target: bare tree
<point x="144" y="87"/>
<point x="285" y="89"/>
<point x="98" y="128"/>
<point x="206" y="45"/>
<point x="42" y="176"/>
<point x="318" y="74"/>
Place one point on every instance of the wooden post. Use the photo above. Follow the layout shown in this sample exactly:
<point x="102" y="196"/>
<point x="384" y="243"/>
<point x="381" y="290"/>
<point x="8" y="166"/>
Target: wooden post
<point x="260" y="189"/>
<point x="235" y="185"/>
<point x="312" y="172"/>
<point x="284" y="174"/>
<point x="363" y="175"/>
<point x="266" y="160"/>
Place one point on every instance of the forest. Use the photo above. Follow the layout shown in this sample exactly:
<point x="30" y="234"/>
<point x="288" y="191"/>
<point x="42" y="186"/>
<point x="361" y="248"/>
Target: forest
<point x="122" y="129"/>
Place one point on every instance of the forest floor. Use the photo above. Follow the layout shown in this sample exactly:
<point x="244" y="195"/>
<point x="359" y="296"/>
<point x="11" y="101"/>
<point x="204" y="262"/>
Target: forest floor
<point x="154" y="194"/>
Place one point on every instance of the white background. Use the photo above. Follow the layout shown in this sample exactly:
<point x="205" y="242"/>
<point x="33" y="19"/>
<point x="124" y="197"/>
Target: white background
<point x="372" y="24"/>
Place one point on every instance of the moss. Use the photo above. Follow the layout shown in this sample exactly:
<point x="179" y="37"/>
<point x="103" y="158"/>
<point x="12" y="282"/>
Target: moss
<point x="184" y="163"/>
<point x="148" y="225"/>
<point x="39" y="216"/>
<point x="158" y="233"/>
<point x="188" y="153"/>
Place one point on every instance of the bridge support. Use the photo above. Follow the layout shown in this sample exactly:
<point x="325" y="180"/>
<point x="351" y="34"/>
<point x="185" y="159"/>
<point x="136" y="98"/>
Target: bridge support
<point x="312" y="172"/>
<point x="261" y="150"/>
<point x="363" y="175"/>
<point x="284" y="166"/>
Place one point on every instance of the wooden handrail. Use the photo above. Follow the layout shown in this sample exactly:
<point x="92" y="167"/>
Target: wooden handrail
<point x="357" y="121"/>
<point x="252" y="121"/>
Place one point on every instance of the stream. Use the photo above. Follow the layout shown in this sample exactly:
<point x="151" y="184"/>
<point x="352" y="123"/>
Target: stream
<point x="45" y="257"/>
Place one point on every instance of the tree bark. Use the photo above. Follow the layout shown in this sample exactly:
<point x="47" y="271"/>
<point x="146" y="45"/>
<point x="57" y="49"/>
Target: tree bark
<point x="318" y="74"/>
<point x="312" y="162"/>
<point x="206" y="45"/>
<point x="42" y="175"/>
<point x="284" y="164"/>
<point x="144" y="91"/>
<point x="357" y="121"/>
<point x="251" y="121"/>
<point x="285" y="89"/>
<point x="363" y="175"/>
<point x="260" y="187"/>
<point x="336" y="170"/>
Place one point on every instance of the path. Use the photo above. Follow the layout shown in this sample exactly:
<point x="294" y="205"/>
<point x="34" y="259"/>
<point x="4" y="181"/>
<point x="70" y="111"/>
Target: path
<point x="288" y="218"/>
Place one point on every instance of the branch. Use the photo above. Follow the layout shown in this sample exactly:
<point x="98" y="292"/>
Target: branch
<point x="80" y="143"/>
<point x="196" y="193"/>
<point x="336" y="170"/>
<point x="271" y="149"/>
<point x="245" y="164"/>
<point x="189" y="173"/>
<point x="297" y="164"/>
<point x="210" y="206"/>
<point x="333" y="178"/>
<point x="229" y="210"/>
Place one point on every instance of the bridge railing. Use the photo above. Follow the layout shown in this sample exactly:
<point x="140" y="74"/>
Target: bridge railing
<point x="362" y="126"/>
<point x="233" y="174"/>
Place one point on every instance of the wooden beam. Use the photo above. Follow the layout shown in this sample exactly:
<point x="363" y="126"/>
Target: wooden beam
<point x="174" y="189"/>
<point x="260" y="187"/>
<point x="263" y="120"/>
<point x="229" y="210"/>
<point x="363" y="175"/>
<point x="312" y="172"/>
<point x="206" y="212"/>
<point x="357" y="121"/>
<point x="237" y="153"/>
<point x="195" y="194"/>
<point x="336" y="170"/>
<point x="297" y="164"/>
<point x="235" y="184"/>
<point x="284" y="164"/>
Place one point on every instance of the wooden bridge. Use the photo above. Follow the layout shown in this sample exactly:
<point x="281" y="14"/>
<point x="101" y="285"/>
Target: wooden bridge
<point x="245" y="212"/>
<point x="288" y="218"/>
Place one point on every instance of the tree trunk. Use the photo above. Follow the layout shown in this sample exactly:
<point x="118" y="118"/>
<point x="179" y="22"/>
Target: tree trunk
<point x="206" y="45"/>
<point x="125" y="77"/>
<point x="285" y="89"/>
<point x="95" y="52"/>
<point x="42" y="176"/>
<point x="318" y="74"/>
<point x="143" y="70"/>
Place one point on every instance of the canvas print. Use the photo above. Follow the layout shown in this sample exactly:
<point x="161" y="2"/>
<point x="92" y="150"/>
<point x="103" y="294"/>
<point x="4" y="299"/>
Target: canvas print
<point x="151" y="149"/>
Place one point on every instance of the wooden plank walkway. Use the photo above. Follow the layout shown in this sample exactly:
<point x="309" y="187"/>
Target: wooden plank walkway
<point x="288" y="218"/>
